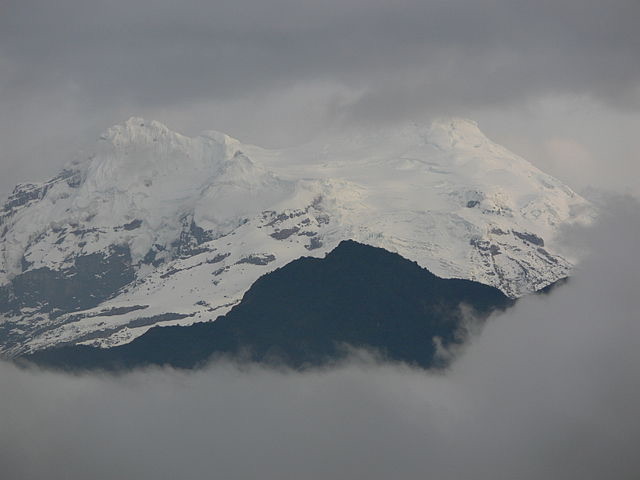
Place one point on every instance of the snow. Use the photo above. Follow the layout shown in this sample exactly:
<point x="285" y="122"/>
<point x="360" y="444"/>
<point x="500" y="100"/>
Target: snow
<point x="442" y="195"/>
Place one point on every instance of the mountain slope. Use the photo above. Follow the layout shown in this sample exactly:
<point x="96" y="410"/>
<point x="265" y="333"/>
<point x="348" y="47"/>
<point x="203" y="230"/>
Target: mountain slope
<point x="156" y="228"/>
<point x="305" y="313"/>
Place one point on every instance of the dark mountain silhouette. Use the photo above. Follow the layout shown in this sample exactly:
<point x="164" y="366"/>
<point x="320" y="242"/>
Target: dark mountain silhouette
<point x="305" y="314"/>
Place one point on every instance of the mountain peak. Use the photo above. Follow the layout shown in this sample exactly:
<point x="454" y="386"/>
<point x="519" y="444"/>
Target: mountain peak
<point x="139" y="122"/>
<point x="456" y="131"/>
<point x="136" y="130"/>
<point x="170" y="228"/>
<point x="220" y="137"/>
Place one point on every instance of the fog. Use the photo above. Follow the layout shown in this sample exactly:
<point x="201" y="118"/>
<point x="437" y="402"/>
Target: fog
<point x="556" y="81"/>
<point x="548" y="390"/>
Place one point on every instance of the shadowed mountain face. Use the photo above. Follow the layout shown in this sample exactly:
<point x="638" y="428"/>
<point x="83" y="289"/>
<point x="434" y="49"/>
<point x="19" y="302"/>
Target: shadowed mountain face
<point x="307" y="312"/>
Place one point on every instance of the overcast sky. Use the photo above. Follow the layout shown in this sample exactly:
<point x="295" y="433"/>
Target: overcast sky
<point x="557" y="81"/>
<point x="548" y="390"/>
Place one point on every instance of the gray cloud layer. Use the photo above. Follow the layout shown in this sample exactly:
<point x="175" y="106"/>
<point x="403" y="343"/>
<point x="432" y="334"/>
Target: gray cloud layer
<point x="276" y="71"/>
<point x="549" y="390"/>
<point x="162" y="52"/>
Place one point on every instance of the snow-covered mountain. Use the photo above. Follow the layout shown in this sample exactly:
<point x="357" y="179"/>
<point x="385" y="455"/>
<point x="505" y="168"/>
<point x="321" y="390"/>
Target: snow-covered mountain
<point x="156" y="228"/>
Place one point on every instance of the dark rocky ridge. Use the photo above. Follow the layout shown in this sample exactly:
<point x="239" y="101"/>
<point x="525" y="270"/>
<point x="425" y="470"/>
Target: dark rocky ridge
<point x="305" y="313"/>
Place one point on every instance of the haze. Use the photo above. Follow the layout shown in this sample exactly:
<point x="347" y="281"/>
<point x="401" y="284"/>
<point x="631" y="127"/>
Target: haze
<point x="558" y="82"/>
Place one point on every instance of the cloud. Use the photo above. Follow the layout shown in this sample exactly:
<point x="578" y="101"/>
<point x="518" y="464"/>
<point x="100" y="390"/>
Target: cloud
<point x="163" y="52"/>
<point x="276" y="72"/>
<point x="548" y="390"/>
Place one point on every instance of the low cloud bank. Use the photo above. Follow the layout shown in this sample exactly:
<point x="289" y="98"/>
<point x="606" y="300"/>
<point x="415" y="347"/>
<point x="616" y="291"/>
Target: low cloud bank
<point x="548" y="390"/>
